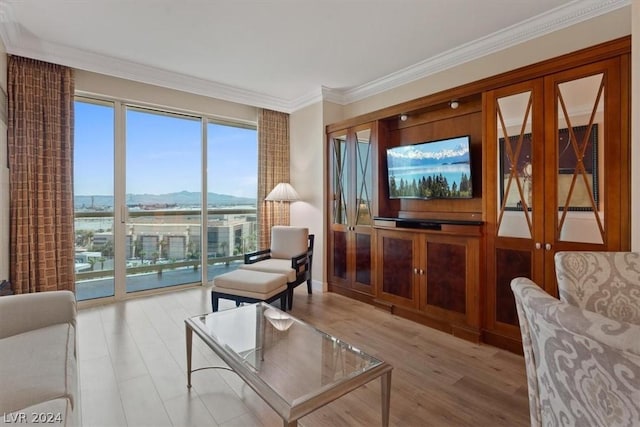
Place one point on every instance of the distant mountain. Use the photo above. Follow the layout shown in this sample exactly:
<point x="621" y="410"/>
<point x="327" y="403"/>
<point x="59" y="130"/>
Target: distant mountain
<point x="423" y="154"/>
<point x="183" y="198"/>
<point x="402" y="162"/>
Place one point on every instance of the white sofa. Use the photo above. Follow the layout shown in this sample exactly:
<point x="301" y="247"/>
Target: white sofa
<point x="38" y="359"/>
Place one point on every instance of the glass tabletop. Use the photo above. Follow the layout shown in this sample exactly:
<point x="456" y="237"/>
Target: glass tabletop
<point x="291" y="357"/>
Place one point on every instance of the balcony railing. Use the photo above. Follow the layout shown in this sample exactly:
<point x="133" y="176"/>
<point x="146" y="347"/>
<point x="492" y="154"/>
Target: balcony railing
<point x="154" y="266"/>
<point x="167" y="212"/>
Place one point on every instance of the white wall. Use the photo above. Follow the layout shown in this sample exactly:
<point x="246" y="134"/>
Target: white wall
<point x="4" y="170"/>
<point x="307" y="178"/>
<point x="597" y="30"/>
<point x="128" y="90"/>
<point x="308" y="166"/>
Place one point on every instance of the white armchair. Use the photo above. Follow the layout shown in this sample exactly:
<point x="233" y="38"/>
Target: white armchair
<point x="603" y="282"/>
<point x="291" y="254"/>
<point x="583" y="368"/>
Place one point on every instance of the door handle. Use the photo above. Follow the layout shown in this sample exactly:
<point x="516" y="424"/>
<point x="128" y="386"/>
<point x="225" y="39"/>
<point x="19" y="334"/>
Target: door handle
<point x="547" y="246"/>
<point x="538" y="245"/>
<point x="124" y="215"/>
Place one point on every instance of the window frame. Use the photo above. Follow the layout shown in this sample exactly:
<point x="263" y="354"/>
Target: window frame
<point x="120" y="107"/>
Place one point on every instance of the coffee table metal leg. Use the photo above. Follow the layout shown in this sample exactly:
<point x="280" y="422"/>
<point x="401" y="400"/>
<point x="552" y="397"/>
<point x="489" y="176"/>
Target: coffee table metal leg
<point x="385" y="382"/>
<point x="189" y="335"/>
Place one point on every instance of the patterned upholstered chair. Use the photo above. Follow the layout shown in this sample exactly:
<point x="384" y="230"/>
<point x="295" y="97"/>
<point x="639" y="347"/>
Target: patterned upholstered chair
<point x="583" y="369"/>
<point x="603" y="282"/>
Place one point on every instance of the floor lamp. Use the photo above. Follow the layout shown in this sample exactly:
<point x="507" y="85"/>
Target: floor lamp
<point x="283" y="192"/>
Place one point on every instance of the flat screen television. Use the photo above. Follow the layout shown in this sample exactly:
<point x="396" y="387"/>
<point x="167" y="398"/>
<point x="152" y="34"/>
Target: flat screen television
<point x="431" y="170"/>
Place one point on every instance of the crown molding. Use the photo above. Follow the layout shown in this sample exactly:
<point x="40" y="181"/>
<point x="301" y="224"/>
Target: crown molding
<point x="545" y="23"/>
<point x="336" y="96"/>
<point x="322" y="94"/>
<point x="18" y="42"/>
<point x="130" y="70"/>
<point x="306" y="100"/>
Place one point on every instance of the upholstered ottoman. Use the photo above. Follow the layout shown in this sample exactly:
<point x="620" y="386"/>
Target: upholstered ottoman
<point x="249" y="286"/>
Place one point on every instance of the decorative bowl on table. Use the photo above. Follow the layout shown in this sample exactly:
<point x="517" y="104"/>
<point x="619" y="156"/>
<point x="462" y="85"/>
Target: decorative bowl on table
<point x="280" y="320"/>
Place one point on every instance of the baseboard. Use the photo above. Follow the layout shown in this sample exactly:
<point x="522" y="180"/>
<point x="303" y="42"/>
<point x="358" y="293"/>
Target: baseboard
<point x="502" y="341"/>
<point x="316" y="286"/>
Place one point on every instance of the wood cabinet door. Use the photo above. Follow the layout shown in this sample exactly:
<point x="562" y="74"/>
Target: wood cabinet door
<point x="397" y="268"/>
<point x="557" y="178"/>
<point x="585" y="157"/>
<point x="515" y="198"/>
<point x="449" y="288"/>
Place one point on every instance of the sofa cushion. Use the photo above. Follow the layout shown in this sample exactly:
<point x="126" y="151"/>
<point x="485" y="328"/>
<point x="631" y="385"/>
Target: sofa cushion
<point x="38" y="366"/>
<point x="252" y="281"/>
<point x="52" y="412"/>
<point x="287" y="242"/>
<point x="26" y="312"/>
<point x="272" y="265"/>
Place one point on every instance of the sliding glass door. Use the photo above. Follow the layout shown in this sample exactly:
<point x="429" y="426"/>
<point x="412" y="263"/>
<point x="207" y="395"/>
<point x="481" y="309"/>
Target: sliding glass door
<point x="94" y="199"/>
<point x="143" y="197"/>
<point x="163" y="199"/>
<point x="232" y="182"/>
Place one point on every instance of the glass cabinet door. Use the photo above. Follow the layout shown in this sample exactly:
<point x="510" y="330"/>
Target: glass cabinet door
<point x="362" y="219"/>
<point x="340" y="178"/>
<point x="516" y="209"/>
<point x="587" y="189"/>
<point x="340" y="175"/>
<point x="363" y="178"/>
<point x="579" y="158"/>
<point x="351" y="204"/>
<point x="515" y="165"/>
<point x="516" y="198"/>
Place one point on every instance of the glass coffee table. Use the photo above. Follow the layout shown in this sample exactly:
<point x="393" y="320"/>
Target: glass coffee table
<point x="292" y="366"/>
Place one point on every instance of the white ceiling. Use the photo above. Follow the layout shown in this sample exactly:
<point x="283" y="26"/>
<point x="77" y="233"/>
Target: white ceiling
<point x="279" y="54"/>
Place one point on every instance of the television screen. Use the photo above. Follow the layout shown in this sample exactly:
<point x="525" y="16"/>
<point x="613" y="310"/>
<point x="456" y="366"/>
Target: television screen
<point x="430" y="170"/>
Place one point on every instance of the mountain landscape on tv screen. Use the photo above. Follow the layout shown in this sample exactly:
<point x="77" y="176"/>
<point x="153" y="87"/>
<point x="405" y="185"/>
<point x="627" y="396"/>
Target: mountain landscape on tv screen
<point x="454" y="159"/>
<point x="439" y="169"/>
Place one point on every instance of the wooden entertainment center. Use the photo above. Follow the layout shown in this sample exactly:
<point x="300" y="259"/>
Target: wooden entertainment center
<point x="549" y="147"/>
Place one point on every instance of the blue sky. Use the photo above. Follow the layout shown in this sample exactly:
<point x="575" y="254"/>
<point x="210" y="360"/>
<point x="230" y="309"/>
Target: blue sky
<point x="163" y="154"/>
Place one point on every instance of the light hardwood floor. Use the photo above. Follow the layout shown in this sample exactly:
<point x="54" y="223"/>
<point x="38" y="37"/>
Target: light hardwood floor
<point x="133" y="370"/>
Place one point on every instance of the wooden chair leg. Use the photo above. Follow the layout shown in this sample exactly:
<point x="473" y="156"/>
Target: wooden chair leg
<point x="283" y="302"/>
<point x="214" y="302"/>
<point x="290" y="298"/>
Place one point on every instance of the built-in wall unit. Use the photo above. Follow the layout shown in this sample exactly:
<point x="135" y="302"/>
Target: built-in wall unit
<point x="436" y="204"/>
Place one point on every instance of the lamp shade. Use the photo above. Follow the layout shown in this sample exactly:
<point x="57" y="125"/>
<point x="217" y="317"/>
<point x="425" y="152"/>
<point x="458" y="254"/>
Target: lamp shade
<point x="283" y="192"/>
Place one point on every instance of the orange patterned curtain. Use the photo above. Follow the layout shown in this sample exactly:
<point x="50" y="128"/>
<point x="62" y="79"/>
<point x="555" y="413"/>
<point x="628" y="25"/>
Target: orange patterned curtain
<point x="273" y="168"/>
<point x="40" y="141"/>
